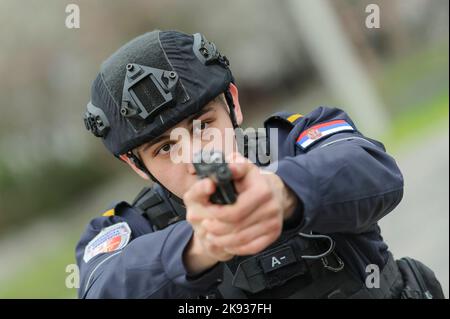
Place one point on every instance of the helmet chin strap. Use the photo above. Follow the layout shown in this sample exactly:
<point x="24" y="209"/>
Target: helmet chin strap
<point x="139" y="164"/>
<point x="230" y="102"/>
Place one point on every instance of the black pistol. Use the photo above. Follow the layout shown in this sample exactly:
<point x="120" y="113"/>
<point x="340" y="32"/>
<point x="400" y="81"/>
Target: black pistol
<point x="212" y="164"/>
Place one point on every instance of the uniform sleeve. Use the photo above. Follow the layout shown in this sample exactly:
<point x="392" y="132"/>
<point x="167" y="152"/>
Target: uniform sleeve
<point x="344" y="181"/>
<point x="149" y="266"/>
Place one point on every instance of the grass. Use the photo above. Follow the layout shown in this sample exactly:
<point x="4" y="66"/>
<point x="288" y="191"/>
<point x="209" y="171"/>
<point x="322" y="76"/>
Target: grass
<point x="46" y="189"/>
<point x="46" y="277"/>
<point x="419" y="121"/>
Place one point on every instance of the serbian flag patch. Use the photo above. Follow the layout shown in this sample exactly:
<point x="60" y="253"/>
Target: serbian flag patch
<point x="319" y="131"/>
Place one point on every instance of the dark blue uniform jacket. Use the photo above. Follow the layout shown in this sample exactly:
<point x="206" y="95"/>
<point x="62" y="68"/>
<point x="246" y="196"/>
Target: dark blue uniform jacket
<point x="345" y="183"/>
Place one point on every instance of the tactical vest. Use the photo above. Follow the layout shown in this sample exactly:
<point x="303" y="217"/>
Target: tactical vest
<point x="297" y="265"/>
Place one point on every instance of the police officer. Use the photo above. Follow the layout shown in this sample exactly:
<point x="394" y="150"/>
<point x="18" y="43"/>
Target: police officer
<point x="306" y="230"/>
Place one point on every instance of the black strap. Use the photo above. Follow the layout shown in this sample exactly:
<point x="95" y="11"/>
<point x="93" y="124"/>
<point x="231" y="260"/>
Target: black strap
<point x="158" y="208"/>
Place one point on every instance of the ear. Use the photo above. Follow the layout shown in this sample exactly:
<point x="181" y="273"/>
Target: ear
<point x="127" y="160"/>
<point x="237" y="107"/>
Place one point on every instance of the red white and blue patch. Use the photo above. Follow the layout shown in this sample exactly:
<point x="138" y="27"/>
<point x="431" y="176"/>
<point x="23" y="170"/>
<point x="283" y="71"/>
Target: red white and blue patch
<point x="111" y="238"/>
<point x="319" y="131"/>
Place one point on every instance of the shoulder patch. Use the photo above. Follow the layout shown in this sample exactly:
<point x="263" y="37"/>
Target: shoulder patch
<point x="286" y="117"/>
<point x="294" y="117"/>
<point x="111" y="238"/>
<point x="109" y="212"/>
<point x="317" y="132"/>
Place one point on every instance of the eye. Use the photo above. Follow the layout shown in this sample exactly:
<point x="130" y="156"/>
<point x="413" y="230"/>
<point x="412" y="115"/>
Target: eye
<point x="164" y="149"/>
<point x="199" y="128"/>
<point x="204" y="125"/>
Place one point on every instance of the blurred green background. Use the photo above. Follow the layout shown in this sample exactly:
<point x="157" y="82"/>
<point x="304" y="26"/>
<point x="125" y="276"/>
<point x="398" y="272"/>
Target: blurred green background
<point x="292" y="55"/>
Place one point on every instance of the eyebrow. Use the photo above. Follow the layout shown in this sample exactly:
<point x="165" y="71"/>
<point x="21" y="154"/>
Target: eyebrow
<point x="155" y="141"/>
<point x="160" y="138"/>
<point x="204" y="110"/>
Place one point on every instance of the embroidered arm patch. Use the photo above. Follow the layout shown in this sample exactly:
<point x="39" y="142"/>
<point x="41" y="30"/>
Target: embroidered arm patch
<point x="111" y="238"/>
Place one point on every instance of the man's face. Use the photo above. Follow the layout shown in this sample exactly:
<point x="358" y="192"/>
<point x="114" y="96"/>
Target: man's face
<point x="158" y="155"/>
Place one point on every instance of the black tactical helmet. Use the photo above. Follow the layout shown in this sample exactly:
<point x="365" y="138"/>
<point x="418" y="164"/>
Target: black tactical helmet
<point x="152" y="83"/>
